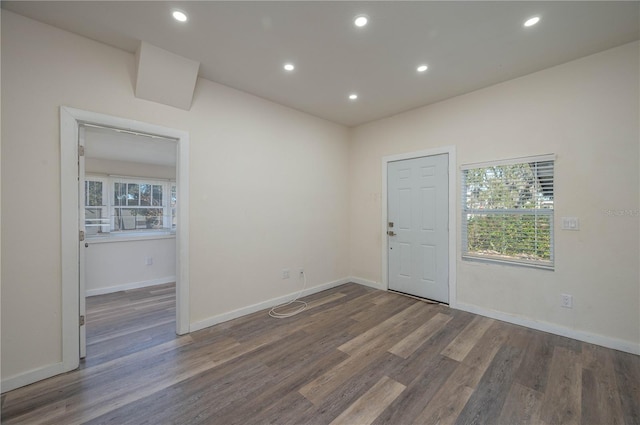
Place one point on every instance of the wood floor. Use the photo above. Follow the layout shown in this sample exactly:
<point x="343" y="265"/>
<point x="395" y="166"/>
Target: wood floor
<point x="356" y="356"/>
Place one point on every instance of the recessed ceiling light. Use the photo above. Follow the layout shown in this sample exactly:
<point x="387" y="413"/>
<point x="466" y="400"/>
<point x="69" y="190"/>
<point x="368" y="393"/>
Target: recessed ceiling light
<point x="532" y="21"/>
<point x="289" y="67"/>
<point x="353" y="96"/>
<point x="422" y="68"/>
<point x="360" y="21"/>
<point x="179" y="16"/>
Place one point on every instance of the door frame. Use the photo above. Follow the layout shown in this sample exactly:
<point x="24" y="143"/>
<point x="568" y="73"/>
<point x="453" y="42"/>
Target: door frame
<point x="451" y="151"/>
<point x="70" y="119"/>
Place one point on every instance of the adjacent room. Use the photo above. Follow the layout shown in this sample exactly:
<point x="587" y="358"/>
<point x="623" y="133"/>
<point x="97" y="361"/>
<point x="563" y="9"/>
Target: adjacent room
<point x="320" y="212"/>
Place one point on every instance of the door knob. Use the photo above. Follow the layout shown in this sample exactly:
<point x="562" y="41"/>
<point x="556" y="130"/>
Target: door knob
<point x="391" y="233"/>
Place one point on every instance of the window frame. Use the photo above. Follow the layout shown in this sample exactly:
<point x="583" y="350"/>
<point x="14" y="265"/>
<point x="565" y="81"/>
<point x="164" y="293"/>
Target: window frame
<point x="505" y="212"/>
<point x="109" y="195"/>
<point x="104" y="227"/>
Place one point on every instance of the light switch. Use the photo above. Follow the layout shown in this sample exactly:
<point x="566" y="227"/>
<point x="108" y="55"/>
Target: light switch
<point x="570" y="223"/>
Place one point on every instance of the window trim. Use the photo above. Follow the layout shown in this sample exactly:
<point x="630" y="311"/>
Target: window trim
<point x="465" y="255"/>
<point x="109" y="182"/>
<point x="104" y="208"/>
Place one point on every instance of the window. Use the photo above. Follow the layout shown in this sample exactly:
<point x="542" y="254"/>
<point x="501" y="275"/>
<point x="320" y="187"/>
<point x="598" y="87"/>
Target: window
<point x="507" y="211"/>
<point x="96" y="208"/>
<point x="121" y="204"/>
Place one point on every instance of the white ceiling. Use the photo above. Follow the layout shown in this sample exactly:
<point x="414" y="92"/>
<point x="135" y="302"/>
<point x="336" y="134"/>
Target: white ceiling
<point x="467" y="45"/>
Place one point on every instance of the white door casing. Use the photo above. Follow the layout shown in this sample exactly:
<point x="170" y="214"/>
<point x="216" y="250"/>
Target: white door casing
<point x="417" y="226"/>
<point x="82" y="244"/>
<point x="70" y="120"/>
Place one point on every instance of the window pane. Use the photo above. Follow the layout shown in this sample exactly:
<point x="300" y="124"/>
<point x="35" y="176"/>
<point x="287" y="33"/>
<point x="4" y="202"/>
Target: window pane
<point x="125" y="218"/>
<point x="510" y="236"/>
<point x="133" y="194"/>
<point x="150" y="218"/>
<point x="157" y="195"/>
<point x="139" y="205"/>
<point x="93" y="221"/>
<point x="120" y="194"/>
<point x="138" y="218"/>
<point x="145" y="194"/>
<point x="526" y="185"/>
<point x="93" y="193"/>
<point x="508" y="212"/>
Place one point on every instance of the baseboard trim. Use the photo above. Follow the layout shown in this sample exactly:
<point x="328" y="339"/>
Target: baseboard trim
<point x="614" y="343"/>
<point x="365" y="282"/>
<point x="132" y="285"/>
<point x="32" y="376"/>
<point x="234" y="314"/>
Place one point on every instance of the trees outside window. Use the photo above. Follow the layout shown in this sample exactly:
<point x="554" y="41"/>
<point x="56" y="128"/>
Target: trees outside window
<point x="507" y="212"/>
<point x="128" y="204"/>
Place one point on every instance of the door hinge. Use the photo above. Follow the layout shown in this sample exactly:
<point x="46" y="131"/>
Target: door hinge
<point x="81" y="320"/>
<point x="81" y="235"/>
<point x="80" y="150"/>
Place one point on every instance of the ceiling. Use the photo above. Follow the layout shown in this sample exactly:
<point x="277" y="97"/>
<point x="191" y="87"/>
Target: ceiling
<point x="244" y="45"/>
<point x="121" y="145"/>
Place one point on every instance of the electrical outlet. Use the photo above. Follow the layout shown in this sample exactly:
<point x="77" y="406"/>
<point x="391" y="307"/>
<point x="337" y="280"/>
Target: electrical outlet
<point x="148" y="261"/>
<point x="285" y="273"/>
<point x="566" y="300"/>
<point x="301" y="273"/>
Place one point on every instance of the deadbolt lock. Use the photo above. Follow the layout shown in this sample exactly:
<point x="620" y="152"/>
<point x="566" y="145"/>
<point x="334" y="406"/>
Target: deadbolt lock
<point x="390" y="224"/>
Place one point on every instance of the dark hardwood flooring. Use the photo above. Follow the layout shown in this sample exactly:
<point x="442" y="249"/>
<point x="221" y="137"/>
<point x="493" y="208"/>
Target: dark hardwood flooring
<point x="355" y="356"/>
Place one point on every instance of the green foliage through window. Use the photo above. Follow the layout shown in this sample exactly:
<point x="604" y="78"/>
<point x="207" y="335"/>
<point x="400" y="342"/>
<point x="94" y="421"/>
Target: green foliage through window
<point x="508" y="212"/>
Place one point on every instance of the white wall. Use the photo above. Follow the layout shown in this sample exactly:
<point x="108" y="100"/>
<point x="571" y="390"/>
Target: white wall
<point x="116" y="265"/>
<point x="266" y="183"/>
<point x="586" y="112"/>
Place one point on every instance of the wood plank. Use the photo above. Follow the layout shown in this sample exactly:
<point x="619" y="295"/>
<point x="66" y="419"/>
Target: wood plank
<point x="382" y="331"/>
<point x="261" y="405"/>
<point x="534" y="368"/>
<point x="448" y="402"/>
<point x="599" y="401"/>
<point x="486" y="402"/>
<point x="483" y="353"/>
<point x="562" y="400"/>
<point x="414" y="365"/>
<point x="419" y="391"/>
<point x="408" y="345"/>
<point x="522" y="406"/>
<point x="367" y="408"/>
<point x="627" y="369"/>
<point x="463" y="343"/>
<point x="198" y="398"/>
<point x="348" y="391"/>
<point x="284" y="410"/>
<point x="318" y="389"/>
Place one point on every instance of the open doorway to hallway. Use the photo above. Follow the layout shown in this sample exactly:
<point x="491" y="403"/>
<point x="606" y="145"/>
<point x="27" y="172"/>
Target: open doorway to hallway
<point x="128" y="193"/>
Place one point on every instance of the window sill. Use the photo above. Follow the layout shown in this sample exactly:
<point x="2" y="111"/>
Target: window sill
<point x="505" y="262"/>
<point x="130" y="237"/>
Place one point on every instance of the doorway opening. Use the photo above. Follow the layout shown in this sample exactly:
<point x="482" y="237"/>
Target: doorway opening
<point x="129" y="217"/>
<point x="128" y="212"/>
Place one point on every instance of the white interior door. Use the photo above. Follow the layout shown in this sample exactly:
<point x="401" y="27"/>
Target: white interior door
<point x="82" y="241"/>
<point x="418" y="226"/>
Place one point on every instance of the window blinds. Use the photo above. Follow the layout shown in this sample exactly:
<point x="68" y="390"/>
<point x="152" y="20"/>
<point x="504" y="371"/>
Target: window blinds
<point x="507" y="211"/>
